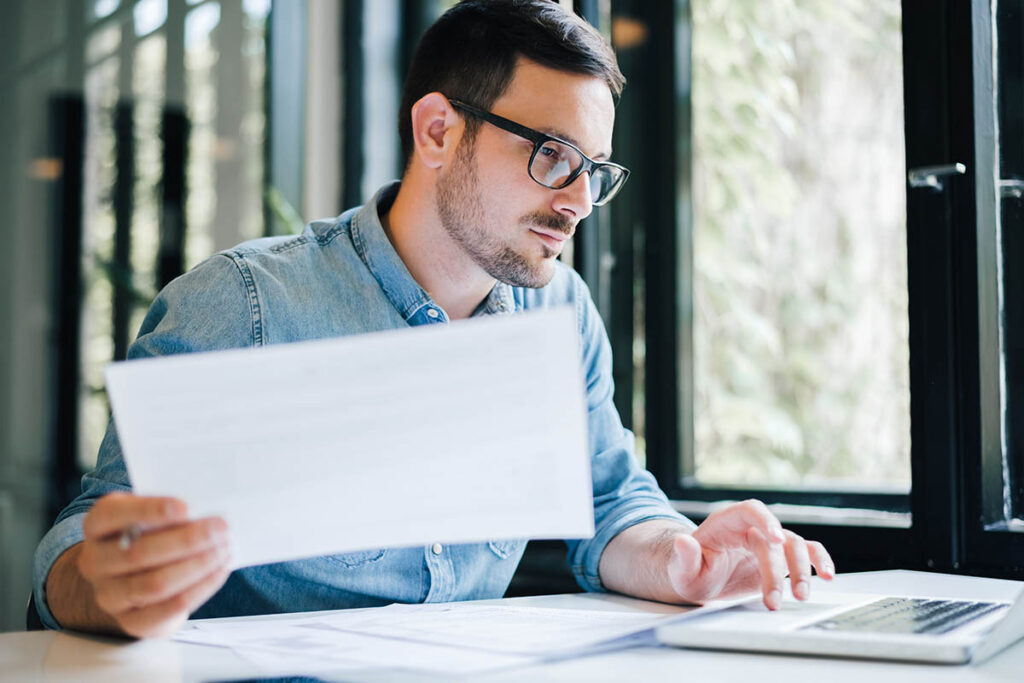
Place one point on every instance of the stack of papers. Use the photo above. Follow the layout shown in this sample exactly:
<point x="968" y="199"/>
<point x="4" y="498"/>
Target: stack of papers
<point x="448" y="638"/>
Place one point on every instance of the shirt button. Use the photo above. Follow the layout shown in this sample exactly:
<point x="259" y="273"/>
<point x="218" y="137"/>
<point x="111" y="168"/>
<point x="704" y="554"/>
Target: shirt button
<point x="436" y="548"/>
<point x="432" y="312"/>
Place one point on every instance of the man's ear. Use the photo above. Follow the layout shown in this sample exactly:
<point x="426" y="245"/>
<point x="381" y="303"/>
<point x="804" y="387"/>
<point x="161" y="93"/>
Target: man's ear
<point x="436" y="129"/>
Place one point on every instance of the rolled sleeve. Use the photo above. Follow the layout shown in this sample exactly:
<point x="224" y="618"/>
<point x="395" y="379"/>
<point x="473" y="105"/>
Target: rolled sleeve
<point x="624" y="493"/>
<point x="589" y="553"/>
<point x="57" y="540"/>
<point x="109" y="476"/>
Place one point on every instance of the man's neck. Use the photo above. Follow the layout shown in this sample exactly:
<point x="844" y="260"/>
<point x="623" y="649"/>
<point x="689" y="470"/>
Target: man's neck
<point x="433" y="259"/>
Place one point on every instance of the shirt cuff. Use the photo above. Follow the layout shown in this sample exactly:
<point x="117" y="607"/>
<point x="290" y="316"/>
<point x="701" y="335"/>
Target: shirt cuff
<point x="58" y="539"/>
<point x="587" y="572"/>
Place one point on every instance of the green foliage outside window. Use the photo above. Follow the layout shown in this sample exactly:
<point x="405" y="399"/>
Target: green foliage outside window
<point x="800" y="292"/>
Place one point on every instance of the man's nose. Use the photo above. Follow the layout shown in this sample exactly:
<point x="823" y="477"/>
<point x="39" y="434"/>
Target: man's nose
<point x="575" y="198"/>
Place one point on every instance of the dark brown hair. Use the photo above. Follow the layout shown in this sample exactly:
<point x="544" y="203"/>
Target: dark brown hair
<point x="470" y="54"/>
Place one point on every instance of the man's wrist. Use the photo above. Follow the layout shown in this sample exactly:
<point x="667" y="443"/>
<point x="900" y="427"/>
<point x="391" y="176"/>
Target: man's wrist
<point x="636" y="561"/>
<point x="71" y="600"/>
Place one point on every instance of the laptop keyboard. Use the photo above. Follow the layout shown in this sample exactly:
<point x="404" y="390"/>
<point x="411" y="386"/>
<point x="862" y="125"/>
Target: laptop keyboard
<point x="907" y="615"/>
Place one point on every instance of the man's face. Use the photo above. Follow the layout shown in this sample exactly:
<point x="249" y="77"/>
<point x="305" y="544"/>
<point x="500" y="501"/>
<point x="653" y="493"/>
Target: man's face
<point x="510" y="226"/>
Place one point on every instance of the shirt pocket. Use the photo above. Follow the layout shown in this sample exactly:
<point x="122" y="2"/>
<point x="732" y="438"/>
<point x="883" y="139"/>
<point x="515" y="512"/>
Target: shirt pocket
<point x="503" y="549"/>
<point x="359" y="559"/>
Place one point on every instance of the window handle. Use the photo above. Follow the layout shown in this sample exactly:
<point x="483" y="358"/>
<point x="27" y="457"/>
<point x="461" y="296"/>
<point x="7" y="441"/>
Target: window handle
<point x="931" y="176"/>
<point x="1012" y="188"/>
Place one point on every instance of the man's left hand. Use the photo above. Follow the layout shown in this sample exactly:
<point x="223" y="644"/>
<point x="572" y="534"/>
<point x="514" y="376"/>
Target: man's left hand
<point x="742" y="548"/>
<point x="738" y="549"/>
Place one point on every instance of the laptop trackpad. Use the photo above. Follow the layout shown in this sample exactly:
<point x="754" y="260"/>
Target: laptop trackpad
<point x="754" y="616"/>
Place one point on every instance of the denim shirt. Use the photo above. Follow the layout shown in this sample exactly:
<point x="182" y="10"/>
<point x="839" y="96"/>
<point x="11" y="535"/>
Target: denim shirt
<point x="341" y="277"/>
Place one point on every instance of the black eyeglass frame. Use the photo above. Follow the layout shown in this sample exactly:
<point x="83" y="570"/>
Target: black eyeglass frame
<point x="538" y="139"/>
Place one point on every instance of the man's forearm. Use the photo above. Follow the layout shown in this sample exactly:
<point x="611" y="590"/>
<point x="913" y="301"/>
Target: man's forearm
<point x="634" y="562"/>
<point x="71" y="599"/>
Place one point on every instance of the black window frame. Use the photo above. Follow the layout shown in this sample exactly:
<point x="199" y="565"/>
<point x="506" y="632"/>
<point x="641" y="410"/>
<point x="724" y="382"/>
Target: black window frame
<point x="952" y="520"/>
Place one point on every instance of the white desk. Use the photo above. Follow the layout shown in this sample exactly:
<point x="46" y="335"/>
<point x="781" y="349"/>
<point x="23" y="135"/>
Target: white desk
<point x="47" y="656"/>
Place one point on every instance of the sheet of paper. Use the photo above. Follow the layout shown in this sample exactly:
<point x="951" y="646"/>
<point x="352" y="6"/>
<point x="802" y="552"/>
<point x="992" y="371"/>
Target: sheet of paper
<point x="291" y="646"/>
<point x="450" y="638"/>
<point x="440" y="433"/>
<point x="537" y="631"/>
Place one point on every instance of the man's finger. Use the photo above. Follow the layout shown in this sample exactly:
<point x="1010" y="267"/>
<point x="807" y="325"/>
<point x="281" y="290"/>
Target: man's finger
<point x="770" y="565"/>
<point x="164" y="618"/>
<point x="821" y="560"/>
<point x="116" y="512"/>
<point x="684" y="567"/>
<point x="154" y="548"/>
<point x="154" y="586"/>
<point x="740" y="517"/>
<point x="799" y="561"/>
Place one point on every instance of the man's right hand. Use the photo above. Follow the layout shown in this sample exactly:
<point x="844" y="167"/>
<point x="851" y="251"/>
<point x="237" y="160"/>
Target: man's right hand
<point x="143" y="585"/>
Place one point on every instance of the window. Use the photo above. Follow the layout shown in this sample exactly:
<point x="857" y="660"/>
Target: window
<point x="799" y="306"/>
<point x="804" y="325"/>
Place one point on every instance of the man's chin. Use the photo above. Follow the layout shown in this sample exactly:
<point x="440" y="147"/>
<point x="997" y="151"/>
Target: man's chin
<point x="532" y="278"/>
<point x="541" y="275"/>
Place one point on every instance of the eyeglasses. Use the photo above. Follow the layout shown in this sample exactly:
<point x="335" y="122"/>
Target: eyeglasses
<point x="556" y="163"/>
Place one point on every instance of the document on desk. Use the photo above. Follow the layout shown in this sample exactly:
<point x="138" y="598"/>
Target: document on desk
<point x="466" y="637"/>
<point x="542" y="632"/>
<point x="290" y="646"/>
<point x="457" y="433"/>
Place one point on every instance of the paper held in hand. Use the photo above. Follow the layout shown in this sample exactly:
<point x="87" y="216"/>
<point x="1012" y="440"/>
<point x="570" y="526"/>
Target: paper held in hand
<point x="456" y="433"/>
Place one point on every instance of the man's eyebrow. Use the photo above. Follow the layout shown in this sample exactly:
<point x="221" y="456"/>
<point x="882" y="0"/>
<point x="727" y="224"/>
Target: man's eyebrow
<point x="561" y="135"/>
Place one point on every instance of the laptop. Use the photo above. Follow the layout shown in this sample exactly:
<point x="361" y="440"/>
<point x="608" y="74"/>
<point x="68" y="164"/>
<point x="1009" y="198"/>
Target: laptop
<point x="907" y="628"/>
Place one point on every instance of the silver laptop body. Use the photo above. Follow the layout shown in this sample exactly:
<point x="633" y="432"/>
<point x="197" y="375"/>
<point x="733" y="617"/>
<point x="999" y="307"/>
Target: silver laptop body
<point x="840" y="625"/>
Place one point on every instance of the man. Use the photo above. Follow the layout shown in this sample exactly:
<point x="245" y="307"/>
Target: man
<point x="506" y="123"/>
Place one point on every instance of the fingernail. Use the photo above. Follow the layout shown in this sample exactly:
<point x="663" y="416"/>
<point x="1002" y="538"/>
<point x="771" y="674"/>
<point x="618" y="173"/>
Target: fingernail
<point x="773" y="600"/>
<point x="800" y="590"/>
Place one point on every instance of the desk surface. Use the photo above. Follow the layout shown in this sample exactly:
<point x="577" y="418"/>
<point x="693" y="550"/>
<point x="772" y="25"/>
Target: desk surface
<point x="49" y="656"/>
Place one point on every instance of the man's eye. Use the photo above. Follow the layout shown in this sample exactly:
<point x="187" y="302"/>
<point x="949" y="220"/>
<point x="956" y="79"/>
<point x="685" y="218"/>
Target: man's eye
<point x="550" y="152"/>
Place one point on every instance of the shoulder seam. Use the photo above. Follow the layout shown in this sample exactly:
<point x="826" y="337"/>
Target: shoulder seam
<point x="301" y="240"/>
<point x="255" y="310"/>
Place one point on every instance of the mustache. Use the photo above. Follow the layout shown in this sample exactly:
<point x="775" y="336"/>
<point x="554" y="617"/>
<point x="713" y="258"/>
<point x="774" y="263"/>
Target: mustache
<point x="558" y="222"/>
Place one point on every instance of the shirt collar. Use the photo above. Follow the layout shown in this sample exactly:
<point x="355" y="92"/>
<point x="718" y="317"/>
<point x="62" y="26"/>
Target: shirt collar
<point x="498" y="302"/>
<point x="374" y="247"/>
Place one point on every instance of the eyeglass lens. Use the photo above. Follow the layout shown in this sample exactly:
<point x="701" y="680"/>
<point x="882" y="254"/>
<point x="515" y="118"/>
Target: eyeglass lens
<point x="554" y="163"/>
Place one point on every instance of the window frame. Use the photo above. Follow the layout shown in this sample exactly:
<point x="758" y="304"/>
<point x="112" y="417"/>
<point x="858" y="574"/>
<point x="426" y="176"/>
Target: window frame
<point x="993" y="544"/>
<point x="956" y="458"/>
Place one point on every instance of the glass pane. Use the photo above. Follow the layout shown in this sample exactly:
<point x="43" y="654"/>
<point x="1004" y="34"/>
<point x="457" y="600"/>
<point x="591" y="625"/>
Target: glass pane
<point x="800" y="279"/>
<point x="148" y="94"/>
<point x="102" y="42"/>
<point x="382" y="37"/>
<point x="253" y="128"/>
<point x="103" y="8"/>
<point x="225" y="72"/>
<point x="101" y="96"/>
<point x="149" y="15"/>
<point x="201" y="101"/>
